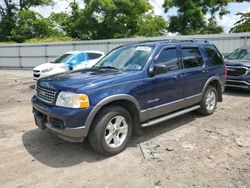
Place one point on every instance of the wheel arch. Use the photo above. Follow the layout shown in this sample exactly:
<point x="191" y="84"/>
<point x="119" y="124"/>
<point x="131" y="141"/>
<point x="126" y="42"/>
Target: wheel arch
<point x="215" y="82"/>
<point x="126" y="101"/>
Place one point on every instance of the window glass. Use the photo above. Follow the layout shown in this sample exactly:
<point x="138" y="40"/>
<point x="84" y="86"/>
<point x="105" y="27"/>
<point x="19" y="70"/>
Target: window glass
<point x="63" y="58"/>
<point x="240" y="54"/>
<point x="213" y="55"/>
<point x="93" y="55"/>
<point x="127" y="58"/>
<point x="81" y="57"/>
<point x="191" y="57"/>
<point x="169" y="58"/>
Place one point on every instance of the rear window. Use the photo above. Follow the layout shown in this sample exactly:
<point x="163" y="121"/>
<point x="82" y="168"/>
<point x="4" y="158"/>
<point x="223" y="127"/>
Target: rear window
<point x="213" y="55"/>
<point x="93" y="56"/>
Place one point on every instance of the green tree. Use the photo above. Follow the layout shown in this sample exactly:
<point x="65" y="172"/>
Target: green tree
<point x="103" y="19"/>
<point x="7" y="20"/>
<point x="8" y="14"/>
<point x="68" y="22"/>
<point x="114" y="18"/>
<point x="243" y="25"/>
<point x="26" y="4"/>
<point x="152" y="26"/>
<point x="191" y="15"/>
<point x="32" y="25"/>
<point x="211" y="27"/>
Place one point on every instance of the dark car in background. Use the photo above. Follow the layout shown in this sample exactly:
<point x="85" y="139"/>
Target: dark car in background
<point x="238" y="68"/>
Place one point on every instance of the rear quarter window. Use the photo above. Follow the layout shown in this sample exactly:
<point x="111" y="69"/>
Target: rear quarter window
<point x="93" y="55"/>
<point x="213" y="55"/>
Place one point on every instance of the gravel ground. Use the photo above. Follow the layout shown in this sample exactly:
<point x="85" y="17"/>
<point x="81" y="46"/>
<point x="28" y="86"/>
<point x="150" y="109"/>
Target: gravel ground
<point x="188" y="151"/>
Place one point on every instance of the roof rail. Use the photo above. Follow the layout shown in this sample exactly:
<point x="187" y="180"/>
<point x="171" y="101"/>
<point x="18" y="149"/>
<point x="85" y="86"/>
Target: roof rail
<point x="156" y="40"/>
<point x="174" y="40"/>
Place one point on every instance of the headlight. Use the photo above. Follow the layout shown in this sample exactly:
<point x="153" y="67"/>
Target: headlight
<point x="72" y="100"/>
<point x="47" y="70"/>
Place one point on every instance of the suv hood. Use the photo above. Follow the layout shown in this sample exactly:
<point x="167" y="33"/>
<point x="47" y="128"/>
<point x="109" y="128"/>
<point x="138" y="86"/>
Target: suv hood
<point x="76" y="81"/>
<point x="245" y="63"/>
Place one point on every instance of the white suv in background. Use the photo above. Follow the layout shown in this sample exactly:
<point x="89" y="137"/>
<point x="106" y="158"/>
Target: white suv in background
<point x="69" y="61"/>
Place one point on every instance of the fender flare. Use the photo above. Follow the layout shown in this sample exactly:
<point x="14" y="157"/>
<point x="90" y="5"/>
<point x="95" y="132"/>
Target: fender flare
<point x="106" y="101"/>
<point x="214" y="78"/>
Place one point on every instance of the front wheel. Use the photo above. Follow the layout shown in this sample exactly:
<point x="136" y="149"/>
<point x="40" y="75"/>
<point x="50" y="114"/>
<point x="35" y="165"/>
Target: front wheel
<point x="209" y="101"/>
<point x="111" y="130"/>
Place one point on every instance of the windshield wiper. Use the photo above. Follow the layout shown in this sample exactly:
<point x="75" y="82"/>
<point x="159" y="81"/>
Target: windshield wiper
<point x="107" y="67"/>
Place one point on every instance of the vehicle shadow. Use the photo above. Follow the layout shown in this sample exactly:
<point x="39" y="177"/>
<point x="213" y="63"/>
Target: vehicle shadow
<point x="52" y="151"/>
<point x="55" y="152"/>
<point x="237" y="92"/>
<point x="163" y="127"/>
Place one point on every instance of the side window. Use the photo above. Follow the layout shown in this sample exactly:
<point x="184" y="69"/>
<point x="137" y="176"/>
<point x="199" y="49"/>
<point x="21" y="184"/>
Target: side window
<point x="93" y="56"/>
<point x="213" y="55"/>
<point x="81" y="57"/>
<point x="191" y="57"/>
<point x="169" y="58"/>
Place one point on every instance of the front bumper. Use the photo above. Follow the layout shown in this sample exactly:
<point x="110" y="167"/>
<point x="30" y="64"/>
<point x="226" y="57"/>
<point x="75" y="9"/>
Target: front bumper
<point x="239" y="82"/>
<point x="66" y="123"/>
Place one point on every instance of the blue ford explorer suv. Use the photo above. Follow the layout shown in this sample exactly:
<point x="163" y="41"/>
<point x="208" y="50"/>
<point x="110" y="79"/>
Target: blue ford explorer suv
<point x="134" y="86"/>
<point x="238" y="68"/>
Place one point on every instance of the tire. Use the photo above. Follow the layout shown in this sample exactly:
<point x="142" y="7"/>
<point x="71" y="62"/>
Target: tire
<point x="209" y="101"/>
<point x="111" y="130"/>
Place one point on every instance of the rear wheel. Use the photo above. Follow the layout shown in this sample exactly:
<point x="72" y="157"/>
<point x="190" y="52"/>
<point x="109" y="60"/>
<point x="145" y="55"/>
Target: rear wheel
<point x="111" y="130"/>
<point x="209" y="101"/>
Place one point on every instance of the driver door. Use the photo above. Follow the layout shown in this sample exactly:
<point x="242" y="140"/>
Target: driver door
<point x="164" y="91"/>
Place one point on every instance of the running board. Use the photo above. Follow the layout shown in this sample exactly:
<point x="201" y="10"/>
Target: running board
<point x="170" y="116"/>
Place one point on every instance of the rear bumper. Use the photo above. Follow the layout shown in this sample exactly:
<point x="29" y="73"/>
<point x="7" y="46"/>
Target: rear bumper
<point x="66" y="123"/>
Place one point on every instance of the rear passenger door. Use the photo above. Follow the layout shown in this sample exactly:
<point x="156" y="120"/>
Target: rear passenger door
<point x="195" y="72"/>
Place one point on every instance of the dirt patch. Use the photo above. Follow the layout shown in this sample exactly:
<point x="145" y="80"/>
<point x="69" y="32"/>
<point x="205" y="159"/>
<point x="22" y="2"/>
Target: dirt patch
<point x="188" y="151"/>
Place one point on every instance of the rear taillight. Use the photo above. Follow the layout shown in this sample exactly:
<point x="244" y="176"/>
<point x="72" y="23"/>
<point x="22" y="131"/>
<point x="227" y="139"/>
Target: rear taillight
<point x="225" y="72"/>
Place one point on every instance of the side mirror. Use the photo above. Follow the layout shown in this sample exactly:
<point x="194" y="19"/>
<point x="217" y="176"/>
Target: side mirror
<point x="226" y="56"/>
<point x="72" y="64"/>
<point x="158" y="69"/>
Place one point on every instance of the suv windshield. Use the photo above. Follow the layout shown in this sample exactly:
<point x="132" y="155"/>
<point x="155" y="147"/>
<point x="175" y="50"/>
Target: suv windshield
<point x="243" y="54"/>
<point x="128" y="58"/>
<point x="62" y="58"/>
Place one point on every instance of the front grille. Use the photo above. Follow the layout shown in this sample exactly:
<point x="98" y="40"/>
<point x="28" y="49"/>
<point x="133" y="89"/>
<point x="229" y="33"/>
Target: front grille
<point x="36" y="71"/>
<point x="36" y="75"/>
<point x="235" y="71"/>
<point x="45" y="94"/>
